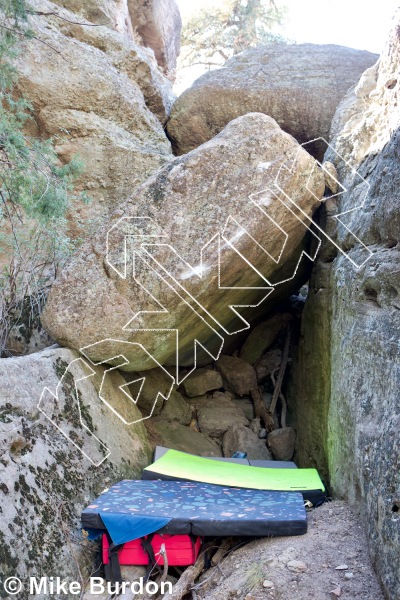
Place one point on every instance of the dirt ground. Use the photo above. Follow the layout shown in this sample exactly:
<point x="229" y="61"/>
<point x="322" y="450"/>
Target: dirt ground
<point x="289" y="568"/>
<point x="299" y="568"/>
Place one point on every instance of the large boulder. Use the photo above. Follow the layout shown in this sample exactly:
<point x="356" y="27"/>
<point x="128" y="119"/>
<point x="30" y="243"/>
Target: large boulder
<point x="207" y="206"/>
<point x="159" y="24"/>
<point x="51" y="467"/>
<point x="298" y="85"/>
<point x="102" y="114"/>
<point x="346" y="376"/>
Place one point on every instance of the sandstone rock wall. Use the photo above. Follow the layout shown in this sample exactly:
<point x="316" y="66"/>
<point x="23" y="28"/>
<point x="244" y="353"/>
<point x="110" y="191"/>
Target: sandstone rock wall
<point x="155" y="24"/>
<point x="159" y="24"/>
<point x="100" y="96"/>
<point x="348" y="402"/>
<point x="113" y="14"/>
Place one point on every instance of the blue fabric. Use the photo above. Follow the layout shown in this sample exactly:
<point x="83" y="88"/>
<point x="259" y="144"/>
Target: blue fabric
<point x="143" y="507"/>
<point x="125" y="528"/>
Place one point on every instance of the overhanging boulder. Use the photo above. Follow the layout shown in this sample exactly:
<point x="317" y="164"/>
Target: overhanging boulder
<point x="214" y="229"/>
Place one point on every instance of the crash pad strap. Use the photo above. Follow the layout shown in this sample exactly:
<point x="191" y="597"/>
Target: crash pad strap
<point x="124" y="528"/>
<point x="180" y="465"/>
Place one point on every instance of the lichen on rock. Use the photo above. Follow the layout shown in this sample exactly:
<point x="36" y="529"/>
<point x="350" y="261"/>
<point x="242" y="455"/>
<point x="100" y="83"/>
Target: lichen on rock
<point x="46" y="478"/>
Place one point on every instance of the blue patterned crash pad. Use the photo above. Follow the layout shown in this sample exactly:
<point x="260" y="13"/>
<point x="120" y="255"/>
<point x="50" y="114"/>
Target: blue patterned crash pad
<point x="132" y="509"/>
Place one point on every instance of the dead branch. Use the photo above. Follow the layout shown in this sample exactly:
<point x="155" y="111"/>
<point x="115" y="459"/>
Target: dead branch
<point x="22" y="34"/>
<point x="165" y="557"/>
<point x="54" y="14"/>
<point x="261" y="411"/>
<point x="186" y="581"/>
<point x="283" y="403"/>
<point x="282" y="369"/>
<point x="226" y="545"/>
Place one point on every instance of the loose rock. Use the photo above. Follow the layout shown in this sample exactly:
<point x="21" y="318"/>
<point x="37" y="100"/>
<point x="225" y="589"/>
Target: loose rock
<point x="179" y="437"/>
<point x="201" y="381"/>
<point x="297" y="566"/>
<point x="281" y="442"/>
<point x="238" y="376"/>
<point x="176" y="409"/>
<point x="216" y="416"/>
<point x="242" y="439"/>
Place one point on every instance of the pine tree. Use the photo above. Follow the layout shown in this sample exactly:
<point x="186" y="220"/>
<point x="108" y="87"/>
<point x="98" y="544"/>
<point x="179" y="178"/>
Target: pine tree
<point x="212" y="36"/>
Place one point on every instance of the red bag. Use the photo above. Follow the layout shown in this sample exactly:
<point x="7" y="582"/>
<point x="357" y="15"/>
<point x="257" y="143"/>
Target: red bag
<point x="181" y="550"/>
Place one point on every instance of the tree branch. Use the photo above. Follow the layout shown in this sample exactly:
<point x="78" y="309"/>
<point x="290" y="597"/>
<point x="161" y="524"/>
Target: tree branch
<point x="54" y="14"/>
<point x="282" y="369"/>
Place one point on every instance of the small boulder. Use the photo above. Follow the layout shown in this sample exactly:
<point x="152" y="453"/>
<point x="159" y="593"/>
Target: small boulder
<point x="201" y="381"/>
<point x="237" y="375"/>
<point x="176" y="409"/>
<point x="216" y="416"/>
<point x="242" y="439"/>
<point x="198" y="401"/>
<point x="179" y="437"/>
<point x="268" y="364"/>
<point x="281" y="443"/>
<point x="150" y="400"/>
<point x="247" y="406"/>
<point x="268" y="584"/>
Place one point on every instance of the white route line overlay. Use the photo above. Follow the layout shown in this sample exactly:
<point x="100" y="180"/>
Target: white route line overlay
<point x="56" y="397"/>
<point x="199" y="271"/>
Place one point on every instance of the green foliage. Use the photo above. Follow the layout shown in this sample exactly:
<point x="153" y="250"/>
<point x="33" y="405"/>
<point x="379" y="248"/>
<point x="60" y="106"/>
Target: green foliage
<point x="36" y="191"/>
<point x="214" y="35"/>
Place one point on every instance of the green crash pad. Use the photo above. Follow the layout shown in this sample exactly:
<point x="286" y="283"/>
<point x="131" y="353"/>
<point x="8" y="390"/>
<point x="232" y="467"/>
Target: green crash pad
<point x="179" y="465"/>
